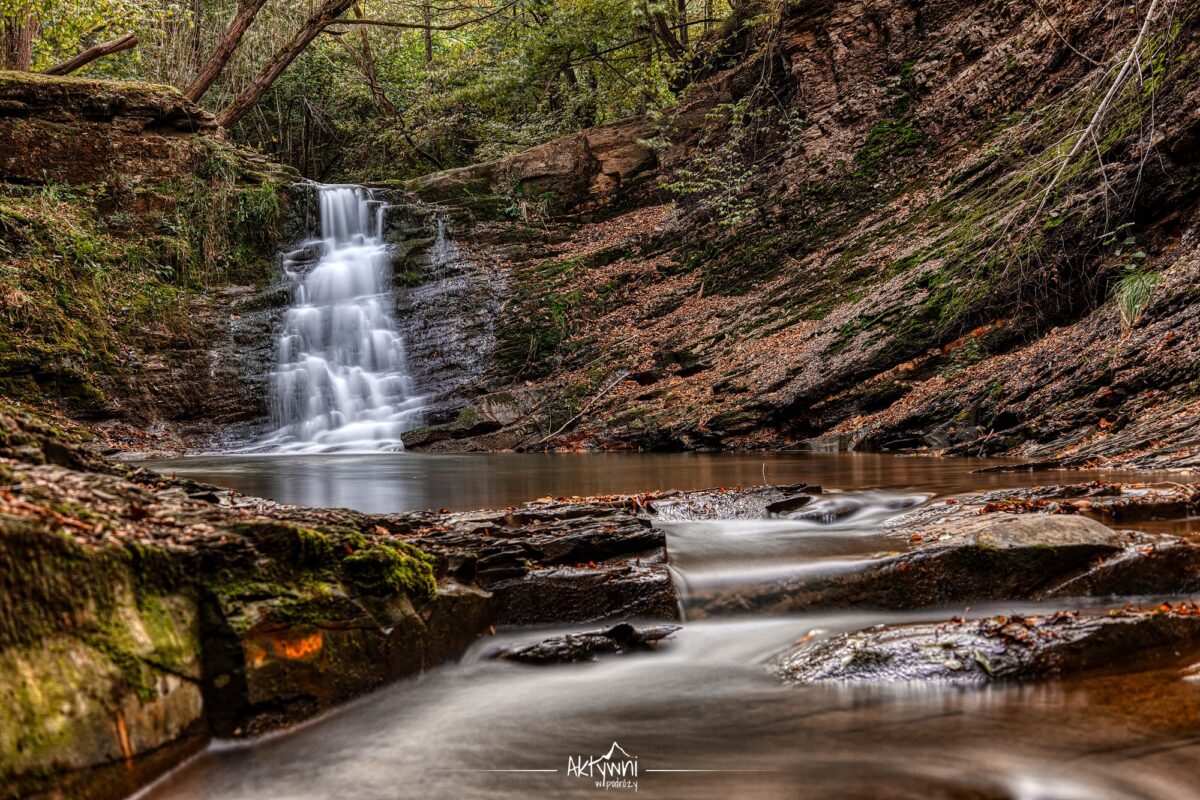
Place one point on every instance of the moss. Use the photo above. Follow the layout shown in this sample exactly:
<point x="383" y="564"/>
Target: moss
<point x="888" y="140"/>
<point x="116" y="648"/>
<point x="88" y="269"/>
<point x="392" y="568"/>
<point x="289" y="542"/>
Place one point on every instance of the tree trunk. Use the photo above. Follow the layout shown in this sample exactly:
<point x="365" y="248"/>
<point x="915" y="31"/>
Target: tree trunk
<point x="126" y="42"/>
<point x="17" y="32"/>
<point x="320" y="19"/>
<point x="427" y="12"/>
<point x="683" y="23"/>
<point x="366" y="63"/>
<point x="247" y="11"/>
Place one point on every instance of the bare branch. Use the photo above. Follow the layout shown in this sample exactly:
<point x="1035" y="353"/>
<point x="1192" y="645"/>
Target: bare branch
<point x="126" y="42"/>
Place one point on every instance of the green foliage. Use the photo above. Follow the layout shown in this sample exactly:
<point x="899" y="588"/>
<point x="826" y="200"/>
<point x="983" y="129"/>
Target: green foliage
<point x="511" y="81"/>
<point x="83" y="276"/>
<point x="1135" y="283"/>
<point x="1133" y="292"/>
<point x="502" y="77"/>
<point x="718" y="175"/>
<point x="65" y="27"/>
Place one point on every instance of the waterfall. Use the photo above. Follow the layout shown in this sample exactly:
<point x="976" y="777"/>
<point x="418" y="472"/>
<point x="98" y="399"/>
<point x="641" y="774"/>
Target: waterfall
<point x="341" y="383"/>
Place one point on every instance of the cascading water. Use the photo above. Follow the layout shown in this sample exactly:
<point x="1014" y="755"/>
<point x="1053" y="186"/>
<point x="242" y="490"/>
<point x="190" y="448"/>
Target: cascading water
<point x="341" y="383"/>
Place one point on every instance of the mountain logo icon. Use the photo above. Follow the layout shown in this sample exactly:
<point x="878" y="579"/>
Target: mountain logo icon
<point x="616" y="769"/>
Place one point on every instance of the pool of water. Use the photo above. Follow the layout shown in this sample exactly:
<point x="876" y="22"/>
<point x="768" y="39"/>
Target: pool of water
<point x="393" y="482"/>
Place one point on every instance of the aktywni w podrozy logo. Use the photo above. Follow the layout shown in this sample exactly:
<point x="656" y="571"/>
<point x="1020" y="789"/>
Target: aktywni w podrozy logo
<point x="616" y="769"/>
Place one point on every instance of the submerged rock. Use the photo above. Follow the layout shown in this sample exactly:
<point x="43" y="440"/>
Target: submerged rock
<point x="1016" y="647"/>
<point x="586" y="646"/>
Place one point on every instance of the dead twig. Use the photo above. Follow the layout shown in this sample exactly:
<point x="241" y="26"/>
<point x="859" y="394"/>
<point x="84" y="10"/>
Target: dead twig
<point x="624" y="374"/>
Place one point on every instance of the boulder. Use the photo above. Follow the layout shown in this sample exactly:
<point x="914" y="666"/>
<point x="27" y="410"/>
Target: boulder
<point x="999" y="648"/>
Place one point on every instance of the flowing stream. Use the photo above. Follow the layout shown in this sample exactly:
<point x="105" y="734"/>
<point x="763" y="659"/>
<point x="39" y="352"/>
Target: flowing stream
<point x="341" y="381"/>
<point x="703" y="714"/>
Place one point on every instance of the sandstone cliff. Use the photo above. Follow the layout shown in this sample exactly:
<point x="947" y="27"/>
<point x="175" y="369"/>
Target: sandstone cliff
<point x="885" y="231"/>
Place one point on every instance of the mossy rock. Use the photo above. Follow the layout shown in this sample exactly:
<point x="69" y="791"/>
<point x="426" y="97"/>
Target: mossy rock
<point x="392" y="568"/>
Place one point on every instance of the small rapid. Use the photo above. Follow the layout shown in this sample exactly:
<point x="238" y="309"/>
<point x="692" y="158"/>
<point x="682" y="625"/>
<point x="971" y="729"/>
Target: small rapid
<point x="341" y="381"/>
<point x="705" y="717"/>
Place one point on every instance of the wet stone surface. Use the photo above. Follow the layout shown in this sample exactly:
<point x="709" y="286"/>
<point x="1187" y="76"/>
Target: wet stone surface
<point x="588" y="645"/>
<point x="998" y="648"/>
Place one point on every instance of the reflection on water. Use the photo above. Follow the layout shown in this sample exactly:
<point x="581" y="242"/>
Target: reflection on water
<point x="703" y="715"/>
<point x="392" y="482"/>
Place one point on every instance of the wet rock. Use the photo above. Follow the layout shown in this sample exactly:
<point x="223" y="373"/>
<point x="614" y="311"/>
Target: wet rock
<point x="559" y="561"/>
<point x="998" y="648"/>
<point x="195" y="612"/>
<point x="587" y="646"/>
<point x="975" y="558"/>
<point x="1110" y="503"/>
<point x="757" y="502"/>
<point x="346" y="646"/>
<point x="1153" y="565"/>
<point x="788" y="505"/>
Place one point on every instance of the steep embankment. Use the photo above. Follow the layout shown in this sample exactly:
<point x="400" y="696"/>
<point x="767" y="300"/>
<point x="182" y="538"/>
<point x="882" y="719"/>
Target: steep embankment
<point x="903" y="225"/>
<point x="138" y="268"/>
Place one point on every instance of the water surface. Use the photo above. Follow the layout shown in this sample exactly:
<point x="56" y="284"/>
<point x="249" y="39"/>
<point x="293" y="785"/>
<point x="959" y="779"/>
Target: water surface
<point x="704" y="716"/>
<point x="394" y="482"/>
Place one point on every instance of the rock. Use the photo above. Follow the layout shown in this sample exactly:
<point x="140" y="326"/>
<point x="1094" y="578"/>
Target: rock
<point x="559" y="561"/>
<point x="187" y="612"/>
<point x="999" y="648"/>
<point x="784" y="507"/>
<point x="82" y="131"/>
<point x="974" y="558"/>
<point x="756" y="502"/>
<point x="586" y="646"/>
<point x="577" y="172"/>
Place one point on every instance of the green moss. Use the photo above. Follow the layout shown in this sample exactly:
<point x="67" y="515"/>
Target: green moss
<point x="116" y="649"/>
<point x="888" y="140"/>
<point x="392" y="568"/>
<point x="289" y="542"/>
<point x="83" y="275"/>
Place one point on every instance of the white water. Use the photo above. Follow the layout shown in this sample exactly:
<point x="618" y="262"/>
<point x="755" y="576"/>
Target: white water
<point x="341" y="383"/>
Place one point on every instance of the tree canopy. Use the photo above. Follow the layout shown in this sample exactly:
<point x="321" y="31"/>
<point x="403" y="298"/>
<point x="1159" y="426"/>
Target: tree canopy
<point x="385" y="88"/>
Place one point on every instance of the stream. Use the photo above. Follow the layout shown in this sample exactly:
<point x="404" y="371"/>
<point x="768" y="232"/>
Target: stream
<point x="702" y="715"/>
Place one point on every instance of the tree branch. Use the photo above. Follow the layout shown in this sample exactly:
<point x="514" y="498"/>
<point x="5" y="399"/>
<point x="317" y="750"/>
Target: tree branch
<point x="421" y="26"/>
<point x="126" y="42"/>
<point x="247" y="11"/>
<point x="1101" y="110"/>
